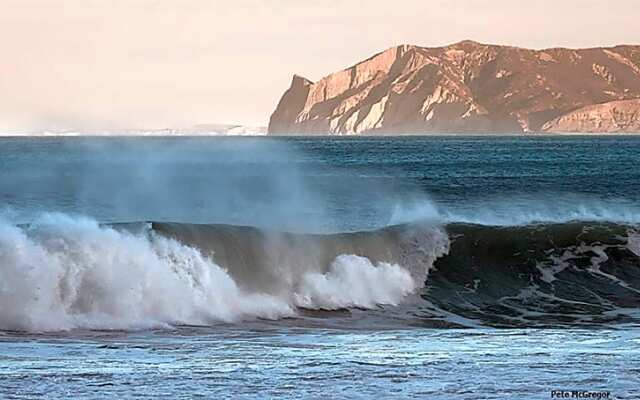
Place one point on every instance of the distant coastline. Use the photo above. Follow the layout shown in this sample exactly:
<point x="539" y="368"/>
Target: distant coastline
<point x="166" y="134"/>
<point x="470" y="87"/>
<point x="467" y="88"/>
<point x="196" y="130"/>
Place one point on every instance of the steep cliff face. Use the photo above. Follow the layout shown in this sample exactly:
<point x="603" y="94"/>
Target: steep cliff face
<point x="612" y="117"/>
<point x="465" y="87"/>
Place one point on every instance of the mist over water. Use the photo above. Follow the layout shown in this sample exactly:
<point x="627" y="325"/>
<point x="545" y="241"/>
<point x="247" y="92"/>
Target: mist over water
<point x="249" y="182"/>
<point x="328" y="185"/>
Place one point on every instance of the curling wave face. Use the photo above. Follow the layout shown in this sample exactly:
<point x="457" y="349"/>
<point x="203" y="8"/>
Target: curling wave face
<point x="62" y="273"/>
<point x="576" y="273"/>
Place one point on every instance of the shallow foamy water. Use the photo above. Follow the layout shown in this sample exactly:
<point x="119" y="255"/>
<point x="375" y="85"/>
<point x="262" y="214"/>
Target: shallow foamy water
<point x="268" y="362"/>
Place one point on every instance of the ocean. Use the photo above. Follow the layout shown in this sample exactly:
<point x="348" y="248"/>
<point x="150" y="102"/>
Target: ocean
<point x="444" y="267"/>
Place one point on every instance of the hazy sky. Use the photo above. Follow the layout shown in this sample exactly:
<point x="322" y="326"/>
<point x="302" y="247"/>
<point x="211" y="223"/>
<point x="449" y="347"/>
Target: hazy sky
<point x="142" y="63"/>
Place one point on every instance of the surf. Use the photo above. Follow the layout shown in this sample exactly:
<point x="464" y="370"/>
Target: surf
<point x="64" y="273"/>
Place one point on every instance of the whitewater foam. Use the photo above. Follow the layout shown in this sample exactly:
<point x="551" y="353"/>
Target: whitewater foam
<point x="63" y="273"/>
<point x="354" y="281"/>
<point x="633" y="242"/>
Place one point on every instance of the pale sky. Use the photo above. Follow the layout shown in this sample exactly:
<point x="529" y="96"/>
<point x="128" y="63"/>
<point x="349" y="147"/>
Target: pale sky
<point x="108" y="64"/>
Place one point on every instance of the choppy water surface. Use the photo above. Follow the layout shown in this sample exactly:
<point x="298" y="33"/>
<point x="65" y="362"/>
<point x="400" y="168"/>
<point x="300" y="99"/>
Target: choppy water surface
<point x="441" y="267"/>
<point x="275" y="363"/>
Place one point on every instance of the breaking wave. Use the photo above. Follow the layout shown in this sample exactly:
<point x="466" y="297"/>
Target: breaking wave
<point x="63" y="273"/>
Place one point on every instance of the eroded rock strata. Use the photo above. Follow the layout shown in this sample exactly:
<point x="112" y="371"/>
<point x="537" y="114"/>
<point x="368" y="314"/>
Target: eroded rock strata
<point x="469" y="87"/>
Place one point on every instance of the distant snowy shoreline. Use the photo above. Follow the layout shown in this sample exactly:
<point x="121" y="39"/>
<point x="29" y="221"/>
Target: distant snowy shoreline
<point x="262" y="134"/>
<point x="198" y="130"/>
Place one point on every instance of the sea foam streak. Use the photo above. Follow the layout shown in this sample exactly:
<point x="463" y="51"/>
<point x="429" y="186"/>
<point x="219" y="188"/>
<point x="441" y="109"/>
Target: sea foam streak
<point x="65" y="273"/>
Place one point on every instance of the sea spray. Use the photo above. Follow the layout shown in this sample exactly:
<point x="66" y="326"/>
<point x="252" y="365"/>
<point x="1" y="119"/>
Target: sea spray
<point x="67" y="273"/>
<point x="354" y="281"/>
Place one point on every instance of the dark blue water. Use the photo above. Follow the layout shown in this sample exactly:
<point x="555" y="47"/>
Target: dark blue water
<point x="93" y="312"/>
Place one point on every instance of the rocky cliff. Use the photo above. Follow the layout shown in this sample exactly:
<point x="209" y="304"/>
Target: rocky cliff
<point x="469" y="87"/>
<point x="615" y="116"/>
